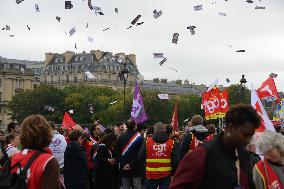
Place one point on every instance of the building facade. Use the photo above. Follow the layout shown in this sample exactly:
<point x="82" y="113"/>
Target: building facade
<point x="70" y="68"/>
<point x="173" y="87"/>
<point x="14" y="78"/>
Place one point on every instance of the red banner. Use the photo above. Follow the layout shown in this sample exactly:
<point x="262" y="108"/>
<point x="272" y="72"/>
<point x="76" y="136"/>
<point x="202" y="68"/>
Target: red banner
<point x="224" y="103"/>
<point x="215" y="103"/>
<point x="68" y="122"/>
<point x="268" y="90"/>
<point x="175" y="119"/>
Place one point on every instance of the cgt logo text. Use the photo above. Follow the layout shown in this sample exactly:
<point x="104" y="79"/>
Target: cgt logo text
<point x="159" y="149"/>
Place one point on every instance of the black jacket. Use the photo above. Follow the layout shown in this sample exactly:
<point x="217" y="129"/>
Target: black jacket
<point x="131" y="156"/>
<point x="220" y="165"/>
<point x="254" y="158"/>
<point x="75" y="167"/>
<point x="106" y="174"/>
<point x="161" y="138"/>
<point x="184" y="146"/>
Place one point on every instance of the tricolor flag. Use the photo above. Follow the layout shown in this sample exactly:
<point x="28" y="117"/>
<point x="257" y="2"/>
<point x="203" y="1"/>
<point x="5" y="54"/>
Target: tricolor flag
<point x="138" y="113"/>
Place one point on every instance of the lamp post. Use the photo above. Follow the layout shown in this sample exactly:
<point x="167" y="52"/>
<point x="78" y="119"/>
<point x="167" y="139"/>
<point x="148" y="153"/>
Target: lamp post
<point x="123" y="75"/>
<point x="243" y="81"/>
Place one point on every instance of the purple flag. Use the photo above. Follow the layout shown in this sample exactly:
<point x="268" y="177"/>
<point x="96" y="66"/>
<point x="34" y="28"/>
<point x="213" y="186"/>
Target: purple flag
<point x="138" y="113"/>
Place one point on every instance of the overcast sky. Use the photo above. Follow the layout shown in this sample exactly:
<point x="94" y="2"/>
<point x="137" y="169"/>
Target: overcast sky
<point x="201" y="58"/>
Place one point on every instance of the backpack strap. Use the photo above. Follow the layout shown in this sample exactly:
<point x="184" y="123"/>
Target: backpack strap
<point x="31" y="160"/>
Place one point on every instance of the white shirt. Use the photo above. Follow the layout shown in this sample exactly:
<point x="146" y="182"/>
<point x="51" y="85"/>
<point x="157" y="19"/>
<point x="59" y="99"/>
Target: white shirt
<point x="58" y="147"/>
<point x="11" y="150"/>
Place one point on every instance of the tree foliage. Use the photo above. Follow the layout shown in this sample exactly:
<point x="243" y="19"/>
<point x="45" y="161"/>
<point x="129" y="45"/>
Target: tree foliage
<point x="81" y="98"/>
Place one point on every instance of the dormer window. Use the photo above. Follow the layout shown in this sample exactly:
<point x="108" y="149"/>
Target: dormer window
<point x="77" y="59"/>
<point x="82" y="58"/>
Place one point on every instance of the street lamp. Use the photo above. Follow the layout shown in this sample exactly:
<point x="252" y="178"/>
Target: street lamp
<point x="243" y="81"/>
<point x="123" y="75"/>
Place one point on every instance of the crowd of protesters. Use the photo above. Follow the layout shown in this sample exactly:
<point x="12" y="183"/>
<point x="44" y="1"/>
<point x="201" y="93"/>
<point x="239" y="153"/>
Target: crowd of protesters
<point x="134" y="156"/>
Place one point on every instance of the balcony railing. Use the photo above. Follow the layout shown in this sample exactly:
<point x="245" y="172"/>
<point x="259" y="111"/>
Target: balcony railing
<point x="102" y="81"/>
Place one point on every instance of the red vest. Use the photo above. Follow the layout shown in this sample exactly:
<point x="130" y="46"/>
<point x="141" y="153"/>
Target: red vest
<point x="36" y="170"/>
<point x="158" y="159"/>
<point x="272" y="181"/>
<point x="194" y="143"/>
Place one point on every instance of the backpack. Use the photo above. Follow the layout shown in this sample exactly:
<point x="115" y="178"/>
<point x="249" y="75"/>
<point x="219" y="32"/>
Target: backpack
<point x="10" y="180"/>
<point x="5" y="157"/>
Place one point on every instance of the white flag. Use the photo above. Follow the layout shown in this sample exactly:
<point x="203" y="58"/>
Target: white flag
<point x="90" y="75"/>
<point x="266" y="123"/>
<point x="214" y="84"/>
<point x="163" y="96"/>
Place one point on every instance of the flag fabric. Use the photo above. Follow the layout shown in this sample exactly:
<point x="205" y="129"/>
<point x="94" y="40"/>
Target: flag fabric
<point x="266" y="123"/>
<point x="175" y="119"/>
<point x="268" y="90"/>
<point x="224" y="103"/>
<point x="138" y="113"/>
<point x="68" y="122"/>
<point x="211" y="104"/>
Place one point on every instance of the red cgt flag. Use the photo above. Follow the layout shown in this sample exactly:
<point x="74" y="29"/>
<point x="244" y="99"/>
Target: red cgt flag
<point x="268" y="90"/>
<point x="224" y="101"/>
<point x="68" y="122"/>
<point x="175" y="119"/>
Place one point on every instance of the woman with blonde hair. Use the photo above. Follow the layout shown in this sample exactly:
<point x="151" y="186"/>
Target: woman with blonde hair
<point x="269" y="173"/>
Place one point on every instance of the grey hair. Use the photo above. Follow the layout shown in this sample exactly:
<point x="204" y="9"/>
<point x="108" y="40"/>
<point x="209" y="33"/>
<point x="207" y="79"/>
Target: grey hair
<point x="269" y="140"/>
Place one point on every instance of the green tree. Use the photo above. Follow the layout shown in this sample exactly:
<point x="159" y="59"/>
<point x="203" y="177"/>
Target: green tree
<point x="35" y="101"/>
<point x="236" y="95"/>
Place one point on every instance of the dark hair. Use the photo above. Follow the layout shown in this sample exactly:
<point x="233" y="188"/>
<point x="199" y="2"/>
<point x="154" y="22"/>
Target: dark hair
<point x="211" y="128"/>
<point x="240" y="114"/>
<point x="108" y="139"/>
<point x="150" y="130"/>
<point x="11" y="126"/>
<point x="35" y="132"/>
<point x="118" y="124"/>
<point x="130" y="124"/>
<point x="60" y="130"/>
<point x="196" y="120"/>
<point x="86" y="136"/>
<point x="10" y="137"/>
<point x="169" y="130"/>
<point x="75" y="134"/>
<point x="108" y="131"/>
<point x="2" y="132"/>
<point x="92" y="129"/>
<point x="141" y="127"/>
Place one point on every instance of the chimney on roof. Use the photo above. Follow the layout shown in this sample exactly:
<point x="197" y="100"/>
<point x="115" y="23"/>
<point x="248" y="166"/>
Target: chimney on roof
<point x="132" y="58"/>
<point x="68" y="56"/>
<point x="98" y="54"/>
<point x="48" y="58"/>
<point x="186" y="82"/>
